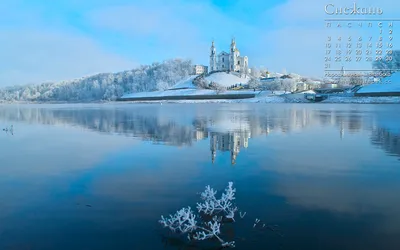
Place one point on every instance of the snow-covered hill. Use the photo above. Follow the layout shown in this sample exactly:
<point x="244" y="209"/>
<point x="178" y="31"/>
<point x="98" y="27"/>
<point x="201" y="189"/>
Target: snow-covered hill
<point x="226" y="79"/>
<point x="186" y="83"/>
<point x="104" y="86"/>
<point x="389" y="84"/>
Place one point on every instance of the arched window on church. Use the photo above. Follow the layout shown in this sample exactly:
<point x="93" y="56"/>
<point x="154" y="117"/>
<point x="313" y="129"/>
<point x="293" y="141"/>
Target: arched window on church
<point x="238" y="62"/>
<point x="223" y="59"/>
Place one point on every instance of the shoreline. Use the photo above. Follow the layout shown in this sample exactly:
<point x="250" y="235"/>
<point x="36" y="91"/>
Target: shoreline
<point x="264" y="99"/>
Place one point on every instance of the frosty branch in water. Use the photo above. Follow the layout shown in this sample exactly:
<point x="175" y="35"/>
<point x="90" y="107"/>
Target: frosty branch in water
<point x="213" y="205"/>
<point x="184" y="221"/>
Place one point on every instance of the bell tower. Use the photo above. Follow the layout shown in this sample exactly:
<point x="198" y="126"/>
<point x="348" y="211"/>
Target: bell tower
<point x="232" y="55"/>
<point x="213" y="58"/>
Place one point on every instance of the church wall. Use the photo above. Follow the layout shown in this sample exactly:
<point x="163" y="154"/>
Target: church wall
<point x="223" y="62"/>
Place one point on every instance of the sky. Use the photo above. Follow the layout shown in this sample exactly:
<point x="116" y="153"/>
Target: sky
<point x="67" y="39"/>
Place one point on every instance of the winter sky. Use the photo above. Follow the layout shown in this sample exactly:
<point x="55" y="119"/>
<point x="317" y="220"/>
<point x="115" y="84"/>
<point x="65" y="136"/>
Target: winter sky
<point x="60" y="40"/>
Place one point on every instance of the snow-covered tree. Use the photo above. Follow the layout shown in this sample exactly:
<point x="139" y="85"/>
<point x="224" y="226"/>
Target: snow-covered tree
<point x="272" y="85"/>
<point x="389" y="63"/>
<point x="200" y="82"/>
<point x="104" y="86"/>
<point x="217" y="87"/>
<point x="161" y="85"/>
<point x="255" y="73"/>
<point x="288" y="85"/>
<point x="254" y="83"/>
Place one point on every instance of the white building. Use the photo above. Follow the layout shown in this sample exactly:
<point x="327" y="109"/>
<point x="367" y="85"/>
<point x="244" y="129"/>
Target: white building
<point x="199" y="69"/>
<point x="228" y="61"/>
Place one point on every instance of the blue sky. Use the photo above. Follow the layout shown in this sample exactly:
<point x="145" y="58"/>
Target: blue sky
<point x="60" y="40"/>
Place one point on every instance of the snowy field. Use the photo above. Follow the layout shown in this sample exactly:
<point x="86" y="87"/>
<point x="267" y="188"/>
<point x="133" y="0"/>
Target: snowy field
<point x="185" y="83"/>
<point x="263" y="96"/>
<point x="184" y="92"/>
<point x="225" y="79"/>
<point x="222" y="78"/>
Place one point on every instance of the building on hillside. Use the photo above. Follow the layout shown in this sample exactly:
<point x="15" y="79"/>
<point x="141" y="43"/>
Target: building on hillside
<point x="199" y="69"/>
<point x="231" y="61"/>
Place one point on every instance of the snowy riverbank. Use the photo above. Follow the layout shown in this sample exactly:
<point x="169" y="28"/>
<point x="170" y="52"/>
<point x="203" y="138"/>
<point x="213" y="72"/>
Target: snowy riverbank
<point x="282" y="99"/>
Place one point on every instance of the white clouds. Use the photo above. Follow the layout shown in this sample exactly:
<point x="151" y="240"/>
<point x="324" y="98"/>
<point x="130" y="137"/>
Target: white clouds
<point x="290" y="35"/>
<point x="34" y="55"/>
<point x="179" y="28"/>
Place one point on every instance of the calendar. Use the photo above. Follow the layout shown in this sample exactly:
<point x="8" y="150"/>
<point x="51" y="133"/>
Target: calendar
<point x="353" y="44"/>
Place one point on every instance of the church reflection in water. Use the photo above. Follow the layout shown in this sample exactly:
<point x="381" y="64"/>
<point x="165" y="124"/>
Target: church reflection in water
<point x="231" y="142"/>
<point x="228" y="129"/>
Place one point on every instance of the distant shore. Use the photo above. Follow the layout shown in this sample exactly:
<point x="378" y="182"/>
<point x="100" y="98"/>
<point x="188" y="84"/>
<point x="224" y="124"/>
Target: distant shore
<point x="221" y="99"/>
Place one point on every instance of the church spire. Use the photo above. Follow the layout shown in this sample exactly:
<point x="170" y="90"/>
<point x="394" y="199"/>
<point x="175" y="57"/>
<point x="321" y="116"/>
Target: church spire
<point x="212" y="48"/>
<point x="213" y="57"/>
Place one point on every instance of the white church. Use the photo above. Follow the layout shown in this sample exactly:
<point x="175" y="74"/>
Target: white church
<point x="229" y="61"/>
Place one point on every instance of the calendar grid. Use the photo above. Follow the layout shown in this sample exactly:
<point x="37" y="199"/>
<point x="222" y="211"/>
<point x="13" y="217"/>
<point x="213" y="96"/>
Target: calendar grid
<point x="350" y="50"/>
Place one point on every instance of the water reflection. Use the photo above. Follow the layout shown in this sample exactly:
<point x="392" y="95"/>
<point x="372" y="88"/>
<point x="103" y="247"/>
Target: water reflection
<point x="324" y="172"/>
<point x="228" y="129"/>
<point x="231" y="142"/>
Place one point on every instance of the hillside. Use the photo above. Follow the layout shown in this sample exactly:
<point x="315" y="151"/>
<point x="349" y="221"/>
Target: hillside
<point x="105" y="86"/>
<point x="186" y="83"/>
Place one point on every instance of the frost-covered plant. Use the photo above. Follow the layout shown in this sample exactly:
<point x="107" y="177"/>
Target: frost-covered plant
<point x="184" y="221"/>
<point x="213" y="205"/>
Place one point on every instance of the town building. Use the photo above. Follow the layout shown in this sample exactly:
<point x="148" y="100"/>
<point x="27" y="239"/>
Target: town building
<point x="199" y="69"/>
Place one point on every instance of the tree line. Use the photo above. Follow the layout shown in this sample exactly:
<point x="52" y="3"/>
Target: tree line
<point x="104" y="86"/>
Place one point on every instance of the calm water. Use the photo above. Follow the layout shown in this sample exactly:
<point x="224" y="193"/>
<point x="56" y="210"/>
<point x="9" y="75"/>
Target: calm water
<point x="100" y="176"/>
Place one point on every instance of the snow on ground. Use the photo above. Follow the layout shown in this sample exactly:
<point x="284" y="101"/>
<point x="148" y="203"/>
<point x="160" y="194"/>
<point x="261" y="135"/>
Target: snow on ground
<point x="298" y="95"/>
<point x="226" y="79"/>
<point x="185" y="83"/>
<point x="282" y="99"/>
<point x="184" y="92"/>
<point x="387" y="84"/>
<point x="269" y="99"/>
<point x="261" y="97"/>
